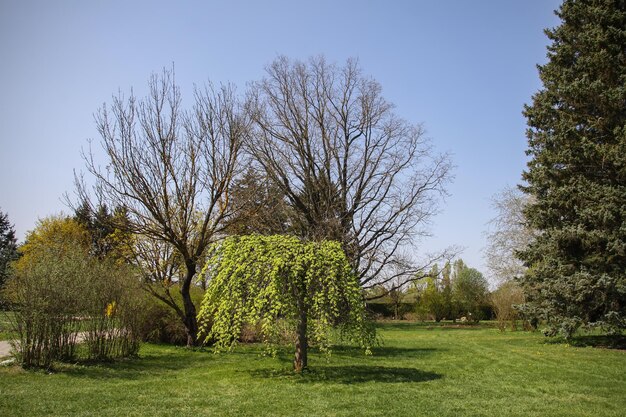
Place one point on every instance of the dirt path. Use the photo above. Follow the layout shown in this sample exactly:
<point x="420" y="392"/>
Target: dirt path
<point x="5" y="345"/>
<point x="5" y="348"/>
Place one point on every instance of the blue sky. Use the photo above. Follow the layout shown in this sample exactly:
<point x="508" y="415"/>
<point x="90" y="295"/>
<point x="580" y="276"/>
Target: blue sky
<point x="462" y="68"/>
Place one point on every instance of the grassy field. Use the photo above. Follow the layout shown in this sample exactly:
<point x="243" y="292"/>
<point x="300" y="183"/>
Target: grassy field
<point x="419" y="371"/>
<point x="5" y="326"/>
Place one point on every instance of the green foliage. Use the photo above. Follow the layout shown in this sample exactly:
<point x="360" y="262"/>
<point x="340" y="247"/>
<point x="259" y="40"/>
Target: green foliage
<point x="387" y="310"/>
<point x="433" y="301"/>
<point x="266" y="279"/>
<point x="470" y="291"/>
<point x="59" y="289"/>
<point x="160" y="322"/>
<point x="505" y="299"/>
<point x="107" y="229"/>
<point x="8" y="248"/>
<point x="577" y="173"/>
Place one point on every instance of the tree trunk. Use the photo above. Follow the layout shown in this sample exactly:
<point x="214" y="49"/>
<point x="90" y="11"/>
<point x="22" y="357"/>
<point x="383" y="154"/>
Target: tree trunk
<point x="300" y="361"/>
<point x="191" y="323"/>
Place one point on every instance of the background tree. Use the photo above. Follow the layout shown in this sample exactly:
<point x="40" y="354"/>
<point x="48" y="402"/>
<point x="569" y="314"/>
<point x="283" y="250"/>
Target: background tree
<point x="108" y="230"/>
<point x="171" y="169"/>
<point x="432" y="297"/>
<point x="470" y="291"/>
<point x="8" y="248"/>
<point x="263" y="208"/>
<point x="264" y="279"/>
<point x="505" y="299"/>
<point x="349" y="168"/>
<point x="577" y="175"/>
<point x="508" y="234"/>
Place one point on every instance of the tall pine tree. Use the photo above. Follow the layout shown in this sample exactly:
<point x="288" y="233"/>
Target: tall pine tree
<point x="8" y="247"/>
<point x="577" y="172"/>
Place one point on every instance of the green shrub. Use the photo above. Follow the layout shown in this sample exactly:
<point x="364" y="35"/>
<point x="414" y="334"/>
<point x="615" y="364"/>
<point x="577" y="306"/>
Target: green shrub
<point x="61" y="295"/>
<point x="160" y="322"/>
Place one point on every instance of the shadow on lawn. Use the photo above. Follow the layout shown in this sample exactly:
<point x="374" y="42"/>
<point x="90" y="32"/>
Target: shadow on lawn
<point x="385" y="351"/>
<point x="597" y="341"/>
<point x="350" y="374"/>
<point x="407" y="326"/>
<point x="131" y="368"/>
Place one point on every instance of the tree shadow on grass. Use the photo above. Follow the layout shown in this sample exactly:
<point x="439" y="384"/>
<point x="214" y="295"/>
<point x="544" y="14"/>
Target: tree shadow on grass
<point x="351" y="374"/>
<point x="385" y="351"/>
<point x="597" y="341"/>
<point x="408" y="326"/>
<point x="145" y="366"/>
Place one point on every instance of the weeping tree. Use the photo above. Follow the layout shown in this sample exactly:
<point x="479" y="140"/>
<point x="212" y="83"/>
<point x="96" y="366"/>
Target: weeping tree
<point x="351" y="170"/>
<point x="266" y="280"/>
<point x="171" y="170"/>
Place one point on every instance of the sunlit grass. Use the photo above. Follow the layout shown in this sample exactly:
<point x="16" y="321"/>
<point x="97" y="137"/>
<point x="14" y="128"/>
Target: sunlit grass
<point x="419" y="370"/>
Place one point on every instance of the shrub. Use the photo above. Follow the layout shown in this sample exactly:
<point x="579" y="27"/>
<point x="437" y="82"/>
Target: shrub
<point x="160" y="322"/>
<point x="59" y="290"/>
<point x="504" y="300"/>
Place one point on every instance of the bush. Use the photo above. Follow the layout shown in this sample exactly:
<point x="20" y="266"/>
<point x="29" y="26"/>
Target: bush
<point x="114" y="305"/>
<point x="160" y="322"/>
<point x="504" y="300"/>
<point x="387" y="310"/>
<point x="59" y="290"/>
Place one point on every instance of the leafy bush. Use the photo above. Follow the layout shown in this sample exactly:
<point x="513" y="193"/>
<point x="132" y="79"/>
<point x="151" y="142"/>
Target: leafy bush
<point x="58" y="290"/>
<point x="160" y="322"/>
<point x="504" y="300"/>
<point x="387" y="310"/>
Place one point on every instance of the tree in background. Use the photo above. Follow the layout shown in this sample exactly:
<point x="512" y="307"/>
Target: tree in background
<point x="508" y="235"/>
<point x="350" y="169"/>
<point x="431" y="298"/>
<point x="262" y="280"/>
<point x="171" y="170"/>
<point x="264" y="209"/>
<point x="109" y="230"/>
<point x="470" y="291"/>
<point x="505" y="300"/>
<point x="577" y="173"/>
<point x="8" y="248"/>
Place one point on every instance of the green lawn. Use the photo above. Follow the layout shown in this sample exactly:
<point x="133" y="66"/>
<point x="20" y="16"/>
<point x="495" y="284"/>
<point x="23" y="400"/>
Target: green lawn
<point x="418" y="371"/>
<point x="5" y="325"/>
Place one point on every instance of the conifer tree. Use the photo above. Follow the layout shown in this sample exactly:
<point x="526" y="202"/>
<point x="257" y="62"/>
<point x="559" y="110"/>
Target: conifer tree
<point x="577" y="172"/>
<point x="8" y="246"/>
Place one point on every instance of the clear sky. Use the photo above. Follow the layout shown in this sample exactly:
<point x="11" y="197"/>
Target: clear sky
<point x="462" y="68"/>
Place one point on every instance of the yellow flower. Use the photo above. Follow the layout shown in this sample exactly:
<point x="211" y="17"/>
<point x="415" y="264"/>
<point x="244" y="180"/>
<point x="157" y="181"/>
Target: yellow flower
<point x="110" y="309"/>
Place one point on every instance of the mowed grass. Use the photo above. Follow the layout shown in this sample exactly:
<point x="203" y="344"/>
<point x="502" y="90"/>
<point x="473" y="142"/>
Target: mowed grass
<point x="6" y="327"/>
<point x="418" y="371"/>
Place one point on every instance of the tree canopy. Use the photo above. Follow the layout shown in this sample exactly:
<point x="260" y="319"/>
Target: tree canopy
<point x="577" y="172"/>
<point x="350" y="169"/>
<point x="171" y="170"/>
<point x="263" y="280"/>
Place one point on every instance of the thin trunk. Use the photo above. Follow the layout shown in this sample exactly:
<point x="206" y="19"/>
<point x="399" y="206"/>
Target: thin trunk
<point x="300" y="361"/>
<point x="191" y="323"/>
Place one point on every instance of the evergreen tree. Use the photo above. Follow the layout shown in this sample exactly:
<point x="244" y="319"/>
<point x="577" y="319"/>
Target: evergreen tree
<point x="8" y="246"/>
<point x="577" y="172"/>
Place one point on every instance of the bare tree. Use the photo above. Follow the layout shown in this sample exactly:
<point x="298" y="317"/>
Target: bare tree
<point x="349" y="167"/>
<point x="171" y="170"/>
<point x="508" y="233"/>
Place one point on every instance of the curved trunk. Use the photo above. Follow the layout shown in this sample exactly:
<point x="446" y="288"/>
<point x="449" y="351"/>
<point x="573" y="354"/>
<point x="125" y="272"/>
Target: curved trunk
<point x="190" y="320"/>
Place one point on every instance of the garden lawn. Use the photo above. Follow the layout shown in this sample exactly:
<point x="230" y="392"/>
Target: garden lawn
<point x="5" y="325"/>
<point x="419" y="371"/>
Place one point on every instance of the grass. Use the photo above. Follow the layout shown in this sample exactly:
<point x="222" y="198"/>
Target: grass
<point x="419" y="371"/>
<point x="6" y="332"/>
